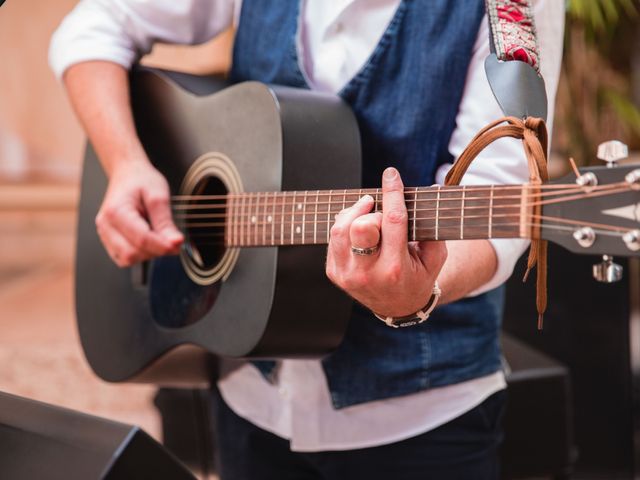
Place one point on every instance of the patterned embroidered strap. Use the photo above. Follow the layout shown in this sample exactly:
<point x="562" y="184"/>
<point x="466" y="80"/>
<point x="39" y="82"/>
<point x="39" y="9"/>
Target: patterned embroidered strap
<point x="513" y="31"/>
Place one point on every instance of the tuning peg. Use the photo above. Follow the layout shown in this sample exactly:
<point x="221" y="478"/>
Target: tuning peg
<point x="607" y="271"/>
<point x="612" y="151"/>
<point x="587" y="179"/>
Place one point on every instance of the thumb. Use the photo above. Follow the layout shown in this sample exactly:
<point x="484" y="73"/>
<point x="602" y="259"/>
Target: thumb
<point x="432" y="255"/>
<point x="159" y="213"/>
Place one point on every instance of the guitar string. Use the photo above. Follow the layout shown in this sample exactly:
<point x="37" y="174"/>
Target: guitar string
<point x="592" y="192"/>
<point x="338" y="193"/>
<point x="274" y="201"/>
<point x="370" y="191"/>
<point x="541" y="218"/>
<point x="308" y="240"/>
<point x="290" y="222"/>
<point x="518" y="205"/>
<point x="265" y="226"/>
<point x="422" y="218"/>
<point x="411" y="210"/>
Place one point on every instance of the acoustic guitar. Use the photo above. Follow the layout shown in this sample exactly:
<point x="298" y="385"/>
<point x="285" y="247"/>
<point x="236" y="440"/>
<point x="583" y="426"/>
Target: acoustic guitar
<point x="257" y="174"/>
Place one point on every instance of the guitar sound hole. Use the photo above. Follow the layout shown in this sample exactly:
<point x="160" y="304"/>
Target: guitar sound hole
<point x="205" y="224"/>
<point x="183" y="291"/>
<point x="205" y="257"/>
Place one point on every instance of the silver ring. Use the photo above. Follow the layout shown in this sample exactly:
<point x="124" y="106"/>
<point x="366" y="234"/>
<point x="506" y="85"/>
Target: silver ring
<point x="364" y="251"/>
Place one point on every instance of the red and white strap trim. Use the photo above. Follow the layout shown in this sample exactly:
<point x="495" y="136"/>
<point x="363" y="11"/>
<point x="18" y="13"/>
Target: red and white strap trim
<point x="513" y="31"/>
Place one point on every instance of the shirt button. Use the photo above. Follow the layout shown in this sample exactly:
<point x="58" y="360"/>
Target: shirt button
<point x="284" y="392"/>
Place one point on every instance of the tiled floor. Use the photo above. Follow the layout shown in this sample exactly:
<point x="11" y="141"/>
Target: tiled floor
<point x="40" y="355"/>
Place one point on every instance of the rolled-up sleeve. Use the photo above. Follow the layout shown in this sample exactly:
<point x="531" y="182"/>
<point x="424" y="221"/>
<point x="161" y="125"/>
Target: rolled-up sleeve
<point x="121" y="31"/>
<point x="504" y="161"/>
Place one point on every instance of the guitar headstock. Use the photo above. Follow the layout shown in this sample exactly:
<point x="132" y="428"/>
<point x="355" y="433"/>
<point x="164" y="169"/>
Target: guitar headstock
<point x="597" y="212"/>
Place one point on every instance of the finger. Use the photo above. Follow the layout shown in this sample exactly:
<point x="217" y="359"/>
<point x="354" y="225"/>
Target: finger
<point x="394" y="214"/>
<point x="365" y="230"/>
<point x="432" y="255"/>
<point x="119" y="249"/>
<point x="129" y="223"/>
<point x="157" y="207"/>
<point x="339" y="242"/>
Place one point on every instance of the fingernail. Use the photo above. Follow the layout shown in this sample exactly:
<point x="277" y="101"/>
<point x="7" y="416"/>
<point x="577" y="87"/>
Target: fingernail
<point x="366" y="199"/>
<point x="390" y="173"/>
<point x="173" y="235"/>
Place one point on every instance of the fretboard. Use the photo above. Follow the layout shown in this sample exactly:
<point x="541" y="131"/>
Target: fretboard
<point x="306" y="217"/>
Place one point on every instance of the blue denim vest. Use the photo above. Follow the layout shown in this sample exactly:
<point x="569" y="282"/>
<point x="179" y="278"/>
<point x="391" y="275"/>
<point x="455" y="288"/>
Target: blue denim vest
<point x="405" y="98"/>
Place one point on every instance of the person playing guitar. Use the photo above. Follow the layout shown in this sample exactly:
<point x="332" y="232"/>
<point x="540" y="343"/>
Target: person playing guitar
<point x="418" y="402"/>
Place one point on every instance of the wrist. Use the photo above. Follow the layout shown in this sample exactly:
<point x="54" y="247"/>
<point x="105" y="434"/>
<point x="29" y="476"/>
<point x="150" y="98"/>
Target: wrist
<point x="417" y="317"/>
<point x="118" y="164"/>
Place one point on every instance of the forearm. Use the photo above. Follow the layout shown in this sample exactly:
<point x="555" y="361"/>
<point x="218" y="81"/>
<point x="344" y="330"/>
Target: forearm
<point x="470" y="264"/>
<point x="134" y="221"/>
<point x="99" y="93"/>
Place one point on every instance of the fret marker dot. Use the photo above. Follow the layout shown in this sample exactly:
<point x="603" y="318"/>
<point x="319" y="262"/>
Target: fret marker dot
<point x="298" y="230"/>
<point x="254" y="219"/>
<point x="299" y="206"/>
<point x="269" y="218"/>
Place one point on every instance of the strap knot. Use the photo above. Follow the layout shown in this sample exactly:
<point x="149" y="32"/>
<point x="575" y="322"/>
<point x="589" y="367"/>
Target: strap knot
<point x="533" y="133"/>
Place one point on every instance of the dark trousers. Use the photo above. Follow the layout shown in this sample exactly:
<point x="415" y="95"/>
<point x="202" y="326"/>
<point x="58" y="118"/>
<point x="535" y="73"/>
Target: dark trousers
<point x="466" y="448"/>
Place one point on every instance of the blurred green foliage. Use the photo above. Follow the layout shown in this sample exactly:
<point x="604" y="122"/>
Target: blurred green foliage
<point x="595" y="96"/>
<point x="600" y="15"/>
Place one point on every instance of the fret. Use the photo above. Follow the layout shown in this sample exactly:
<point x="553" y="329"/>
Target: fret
<point x="375" y="203"/>
<point x="344" y="200"/>
<point x="264" y="218"/>
<point x="437" y="211"/>
<point x="329" y="215"/>
<point x="476" y="211"/>
<point x="315" y="218"/>
<point x="237" y="212"/>
<point x="255" y="219"/>
<point x="284" y="197"/>
<point x="449" y="219"/>
<point x="272" y="218"/>
<point x="490" y="210"/>
<point x="234" y="220"/>
<point x="231" y="222"/>
<point x="298" y="210"/>
<point x="246" y="219"/>
<point x="242" y="216"/>
<point x="228" y="218"/>
<point x="506" y="213"/>
<point x="462" y="214"/>
<point x="304" y="215"/>
<point x="293" y="218"/>
<point x="525" y="211"/>
<point x="415" y="211"/>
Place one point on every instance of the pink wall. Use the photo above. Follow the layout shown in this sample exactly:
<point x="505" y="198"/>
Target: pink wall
<point x="39" y="137"/>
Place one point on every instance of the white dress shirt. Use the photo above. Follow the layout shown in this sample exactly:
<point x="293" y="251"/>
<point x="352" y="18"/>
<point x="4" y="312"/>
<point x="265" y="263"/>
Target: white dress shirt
<point x="335" y="39"/>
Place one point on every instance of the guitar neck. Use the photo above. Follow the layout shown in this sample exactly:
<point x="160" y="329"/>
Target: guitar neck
<point x="306" y="217"/>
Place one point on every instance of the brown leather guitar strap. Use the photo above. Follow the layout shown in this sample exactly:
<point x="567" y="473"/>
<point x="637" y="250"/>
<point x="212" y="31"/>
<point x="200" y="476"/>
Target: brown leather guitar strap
<point x="533" y="133"/>
<point x="513" y="72"/>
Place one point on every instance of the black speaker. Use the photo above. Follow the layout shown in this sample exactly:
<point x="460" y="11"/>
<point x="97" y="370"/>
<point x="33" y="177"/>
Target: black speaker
<point x="44" y="442"/>
<point x="538" y="421"/>
<point x="594" y="329"/>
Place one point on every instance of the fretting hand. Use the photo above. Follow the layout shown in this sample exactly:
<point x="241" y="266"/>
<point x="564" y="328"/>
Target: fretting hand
<point x="397" y="278"/>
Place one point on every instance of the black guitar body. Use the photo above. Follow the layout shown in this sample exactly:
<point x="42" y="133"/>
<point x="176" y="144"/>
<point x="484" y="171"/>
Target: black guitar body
<point x="245" y="164"/>
<point x="267" y="302"/>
